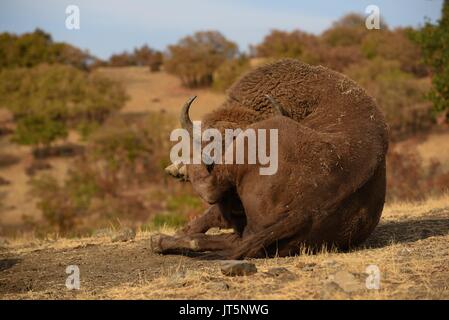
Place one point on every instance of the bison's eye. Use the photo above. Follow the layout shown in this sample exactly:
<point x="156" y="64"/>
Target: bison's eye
<point x="209" y="162"/>
<point x="210" y="167"/>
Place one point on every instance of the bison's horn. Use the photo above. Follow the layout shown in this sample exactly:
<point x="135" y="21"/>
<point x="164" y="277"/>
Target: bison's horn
<point x="186" y="123"/>
<point x="277" y="107"/>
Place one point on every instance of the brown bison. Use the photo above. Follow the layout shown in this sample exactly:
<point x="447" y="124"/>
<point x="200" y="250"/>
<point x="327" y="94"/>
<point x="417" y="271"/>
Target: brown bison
<point x="329" y="188"/>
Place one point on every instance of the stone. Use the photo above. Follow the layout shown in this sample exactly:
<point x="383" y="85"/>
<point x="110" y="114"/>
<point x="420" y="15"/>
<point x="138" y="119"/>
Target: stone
<point x="124" y="235"/>
<point x="280" y="272"/>
<point x="218" y="286"/>
<point x="330" y="263"/>
<point x="346" y="281"/>
<point x="331" y="290"/>
<point x="307" y="266"/>
<point x="237" y="268"/>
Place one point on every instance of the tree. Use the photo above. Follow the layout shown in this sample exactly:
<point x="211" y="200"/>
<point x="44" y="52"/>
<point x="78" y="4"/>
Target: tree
<point x="143" y="56"/>
<point x="400" y="95"/>
<point x="229" y="72"/>
<point x="395" y="45"/>
<point x="284" y="44"/>
<point x="194" y="59"/>
<point x="434" y="42"/>
<point x="48" y="100"/>
<point x="31" y="49"/>
<point x="347" y="31"/>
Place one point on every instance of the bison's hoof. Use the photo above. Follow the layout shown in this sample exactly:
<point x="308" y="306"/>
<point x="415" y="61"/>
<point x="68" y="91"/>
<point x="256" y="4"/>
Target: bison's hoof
<point x="156" y="243"/>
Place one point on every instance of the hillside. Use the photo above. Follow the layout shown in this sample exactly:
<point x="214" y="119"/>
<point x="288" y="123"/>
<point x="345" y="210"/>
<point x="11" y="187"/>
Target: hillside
<point x="147" y="92"/>
<point x="409" y="247"/>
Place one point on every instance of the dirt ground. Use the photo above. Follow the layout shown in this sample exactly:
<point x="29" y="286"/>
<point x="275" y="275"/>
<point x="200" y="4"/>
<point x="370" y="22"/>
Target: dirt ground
<point x="409" y="247"/>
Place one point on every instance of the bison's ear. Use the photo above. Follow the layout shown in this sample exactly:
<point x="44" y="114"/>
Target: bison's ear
<point x="278" y="108"/>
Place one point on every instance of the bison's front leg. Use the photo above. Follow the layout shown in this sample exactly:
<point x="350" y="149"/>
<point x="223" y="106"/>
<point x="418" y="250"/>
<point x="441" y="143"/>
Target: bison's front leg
<point x="199" y="242"/>
<point x="211" y="218"/>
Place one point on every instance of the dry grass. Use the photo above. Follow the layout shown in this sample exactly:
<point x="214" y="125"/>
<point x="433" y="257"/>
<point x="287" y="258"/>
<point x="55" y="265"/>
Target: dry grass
<point x="409" y="247"/>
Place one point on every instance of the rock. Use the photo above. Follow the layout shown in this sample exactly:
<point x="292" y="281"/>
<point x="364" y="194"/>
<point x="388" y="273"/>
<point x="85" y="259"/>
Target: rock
<point x="280" y="272"/>
<point x="218" y="286"/>
<point x="330" y="263"/>
<point x="178" y="279"/>
<point x="306" y="266"/>
<point x="124" y="235"/>
<point x="238" y="268"/>
<point x="330" y="290"/>
<point x="346" y="281"/>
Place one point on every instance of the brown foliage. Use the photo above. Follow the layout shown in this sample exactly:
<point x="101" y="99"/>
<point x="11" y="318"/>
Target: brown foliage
<point x="194" y="59"/>
<point x="408" y="178"/>
<point x="400" y="95"/>
<point x="284" y="44"/>
<point x="143" y="56"/>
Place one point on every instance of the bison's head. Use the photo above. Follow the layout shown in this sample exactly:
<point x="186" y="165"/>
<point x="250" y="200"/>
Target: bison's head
<point x="206" y="178"/>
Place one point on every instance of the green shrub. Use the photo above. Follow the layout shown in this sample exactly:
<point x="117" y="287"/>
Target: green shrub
<point x="31" y="49"/>
<point x="49" y="100"/>
<point x="434" y="42"/>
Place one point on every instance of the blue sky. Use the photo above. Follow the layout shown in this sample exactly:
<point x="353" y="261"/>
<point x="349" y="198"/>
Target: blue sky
<point x="110" y="26"/>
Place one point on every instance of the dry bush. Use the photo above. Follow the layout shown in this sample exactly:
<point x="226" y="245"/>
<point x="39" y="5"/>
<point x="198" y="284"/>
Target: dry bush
<point x="143" y="56"/>
<point x="400" y="95"/>
<point x="194" y="59"/>
<point x="349" y="30"/>
<point x="229" y="72"/>
<point x="395" y="45"/>
<point x="337" y="58"/>
<point x="284" y="44"/>
<point x="408" y="179"/>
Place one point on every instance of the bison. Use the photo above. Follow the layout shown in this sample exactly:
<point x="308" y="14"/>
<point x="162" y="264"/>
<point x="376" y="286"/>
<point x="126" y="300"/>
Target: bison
<point x="329" y="189"/>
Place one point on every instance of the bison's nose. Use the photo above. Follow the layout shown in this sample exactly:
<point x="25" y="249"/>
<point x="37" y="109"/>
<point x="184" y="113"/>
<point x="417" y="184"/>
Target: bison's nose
<point x="177" y="170"/>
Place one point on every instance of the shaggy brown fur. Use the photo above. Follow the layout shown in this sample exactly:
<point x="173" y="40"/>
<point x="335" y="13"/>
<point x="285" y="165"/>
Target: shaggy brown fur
<point x="330" y="184"/>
